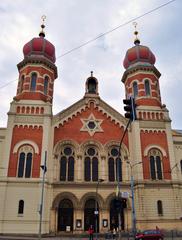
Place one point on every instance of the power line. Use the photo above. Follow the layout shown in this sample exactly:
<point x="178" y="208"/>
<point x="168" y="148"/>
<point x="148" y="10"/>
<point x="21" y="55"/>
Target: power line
<point x="8" y="83"/>
<point x="106" y="33"/>
<point x="114" y="29"/>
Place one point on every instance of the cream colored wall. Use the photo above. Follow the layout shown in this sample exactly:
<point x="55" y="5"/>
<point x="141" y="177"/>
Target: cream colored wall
<point x="2" y="146"/>
<point x="28" y="222"/>
<point x="171" y="208"/>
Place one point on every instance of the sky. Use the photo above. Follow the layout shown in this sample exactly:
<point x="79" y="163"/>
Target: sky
<point x="71" y="23"/>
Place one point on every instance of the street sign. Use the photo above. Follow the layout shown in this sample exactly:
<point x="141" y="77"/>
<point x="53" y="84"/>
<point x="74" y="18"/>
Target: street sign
<point x="125" y="194"/>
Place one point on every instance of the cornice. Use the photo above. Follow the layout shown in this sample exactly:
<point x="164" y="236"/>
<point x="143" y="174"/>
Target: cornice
<point x="151" y="124"/>
<point x="84" y="103"/>
<point x="136" y="68"/>
<point x="38" y="60"/>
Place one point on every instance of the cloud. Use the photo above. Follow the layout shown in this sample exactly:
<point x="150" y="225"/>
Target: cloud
<point x="71" y="23"/>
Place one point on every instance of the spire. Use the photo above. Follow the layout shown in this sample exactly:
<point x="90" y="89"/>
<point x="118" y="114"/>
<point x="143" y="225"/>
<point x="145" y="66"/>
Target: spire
<point x="136" y="41"/>
<point x="42" y="33"/>
<point x="91" y="73"/>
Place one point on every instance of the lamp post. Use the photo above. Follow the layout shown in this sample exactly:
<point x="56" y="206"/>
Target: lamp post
<point x="132" y="197"/>
<point x="96" y="209"/>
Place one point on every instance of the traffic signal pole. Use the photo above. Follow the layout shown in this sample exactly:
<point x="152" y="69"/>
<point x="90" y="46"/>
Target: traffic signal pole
<point x="133" y="207"/>
<point x="118" y="180"/>
<point x="130" y="108"/>
<point x="42" y="195"/>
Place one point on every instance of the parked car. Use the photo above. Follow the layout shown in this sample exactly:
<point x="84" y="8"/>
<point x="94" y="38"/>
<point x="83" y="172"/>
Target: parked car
<point x="149" y="234"/>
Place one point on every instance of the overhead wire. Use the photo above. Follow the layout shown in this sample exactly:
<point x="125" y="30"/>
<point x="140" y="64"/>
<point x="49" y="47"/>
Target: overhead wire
<point x="105" y="33"/>
<point x="114" y="29"/>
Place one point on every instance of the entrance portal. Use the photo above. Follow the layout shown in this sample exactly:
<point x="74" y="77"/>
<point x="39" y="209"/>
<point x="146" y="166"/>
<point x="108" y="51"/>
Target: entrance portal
<point x="65" y="215"/>
<point x="89" y="216"/>
<point x="114" y="215"/>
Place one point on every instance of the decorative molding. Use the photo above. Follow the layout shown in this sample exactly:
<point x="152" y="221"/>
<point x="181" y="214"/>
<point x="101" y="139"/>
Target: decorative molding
<point x="147" y="149"/>
<point x="84" y="103"/>
<point x="178" y="147"/>
<point x="60" y="144"/>
<point x="96" y="125"/>
<point x="151" y="130"/>
<point x="124" y="149"/>
<point x="94" y="143"/>
<point x="26" y="142"/>
<point x="69" y="113"/>
<point x="29" y="119"/>
<point x="152" y="124"/>
<point x="112" y="113"/>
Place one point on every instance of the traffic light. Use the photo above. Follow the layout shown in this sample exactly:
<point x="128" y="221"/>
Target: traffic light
<point x="130" y="108"/>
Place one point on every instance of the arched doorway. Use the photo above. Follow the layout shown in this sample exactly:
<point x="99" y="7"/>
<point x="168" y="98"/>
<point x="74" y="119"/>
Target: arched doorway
<point x="89" y="216"/>
<point x="65" y="215"/>
<point x="114" y="214"/>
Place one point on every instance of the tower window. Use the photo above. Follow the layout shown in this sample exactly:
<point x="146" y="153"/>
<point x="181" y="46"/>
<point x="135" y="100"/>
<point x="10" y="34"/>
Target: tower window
<point x="91" y="164"/>
<point x="181" y="165"/>
<point x="25" y="162"/>
<point x="46" y="82"/>
<point x="91" y="85"/>
<point x="135" y="89"/>
<point x="21" y="207"/>
<point x="155" y="164"/>
<point x="67" y="164"/>
<point x="33" y="82"/>
<point x="114" y="165"/>
<point x="159" y="207"/>
<point x="147" y="87"/>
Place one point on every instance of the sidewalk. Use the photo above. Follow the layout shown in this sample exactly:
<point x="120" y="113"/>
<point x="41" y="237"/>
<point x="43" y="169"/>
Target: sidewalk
<point x="6" y="237"/>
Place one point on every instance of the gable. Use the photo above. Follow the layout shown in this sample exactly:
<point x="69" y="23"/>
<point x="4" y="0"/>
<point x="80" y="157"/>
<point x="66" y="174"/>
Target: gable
<point x="84" y="104"/>
<point x="89" y="118"/>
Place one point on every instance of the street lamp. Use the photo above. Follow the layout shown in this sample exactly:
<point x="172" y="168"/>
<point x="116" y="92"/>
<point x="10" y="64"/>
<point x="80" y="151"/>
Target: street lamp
<point x="132" y="197"/>
<point x="96" y="209"/>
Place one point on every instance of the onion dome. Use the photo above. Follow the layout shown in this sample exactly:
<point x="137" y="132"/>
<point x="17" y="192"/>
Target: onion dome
<point x="40" y="47"/>
<point x="138" y="55"/>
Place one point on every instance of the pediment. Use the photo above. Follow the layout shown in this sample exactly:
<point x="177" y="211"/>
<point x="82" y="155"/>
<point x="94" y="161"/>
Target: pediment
<point x="82" y="105"/>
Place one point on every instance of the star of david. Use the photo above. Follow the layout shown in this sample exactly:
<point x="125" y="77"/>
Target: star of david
<point x="91" y="125"/>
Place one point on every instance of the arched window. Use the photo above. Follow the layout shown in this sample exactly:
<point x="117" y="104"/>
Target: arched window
<point x="67" y="164"/>
<point x="135" y="89"/>
<point x="91" y="165"/>
<point x="25" y="162"/>
<point x="33" y="82"/>
<point x="155" y="157"/>
<point x="181" y="165"/>
<point x="22" y="83"/>
<point x="46" y="82"/>
<point x="159" y="207"/>
<point x="70" y="168"/>
<point x="111" y="169"/>
<point x="21" y="207"/>
<point x="147" y="87"/>
<point x="114" y="165"/>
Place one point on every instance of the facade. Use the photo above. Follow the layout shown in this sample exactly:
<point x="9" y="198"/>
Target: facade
<point x="82" y="144"/>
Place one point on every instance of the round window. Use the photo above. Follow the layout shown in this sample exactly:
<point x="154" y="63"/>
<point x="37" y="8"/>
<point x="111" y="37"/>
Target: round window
<point x="67" y="151"/>
<point x="114" y="152"/>
<point x="91" y="125"/>
<point x="91" y="151"/>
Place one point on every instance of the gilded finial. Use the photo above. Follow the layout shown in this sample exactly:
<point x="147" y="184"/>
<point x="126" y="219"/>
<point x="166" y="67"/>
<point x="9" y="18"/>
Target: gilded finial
<point x="42" y="33"/>
<point x="136" y="41"/>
